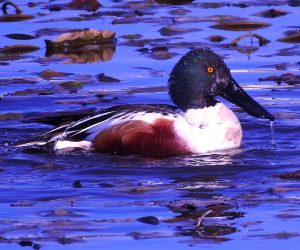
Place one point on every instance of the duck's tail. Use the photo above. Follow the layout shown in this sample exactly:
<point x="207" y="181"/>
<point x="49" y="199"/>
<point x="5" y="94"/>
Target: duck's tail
<point x="61" y="120"/>
<point x="42" y="142"/>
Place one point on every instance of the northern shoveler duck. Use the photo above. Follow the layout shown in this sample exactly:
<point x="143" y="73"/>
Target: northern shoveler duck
<point x="198" y="122"/>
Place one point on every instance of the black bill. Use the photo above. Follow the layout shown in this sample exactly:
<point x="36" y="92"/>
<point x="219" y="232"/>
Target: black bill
<point x="235" y="94"/>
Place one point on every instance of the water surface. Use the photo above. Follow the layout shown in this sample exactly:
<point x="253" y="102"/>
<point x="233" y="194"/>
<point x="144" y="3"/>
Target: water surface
<point x="96" y="201"/>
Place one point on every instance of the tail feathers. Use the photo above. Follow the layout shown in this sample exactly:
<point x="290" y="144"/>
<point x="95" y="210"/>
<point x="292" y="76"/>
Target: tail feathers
<point x="30" y="144"/>
<point x="42" y="142"/>
<point x="53" y="144"/>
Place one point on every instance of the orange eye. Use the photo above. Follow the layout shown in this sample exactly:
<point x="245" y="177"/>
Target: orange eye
<point x="210" y="69"/>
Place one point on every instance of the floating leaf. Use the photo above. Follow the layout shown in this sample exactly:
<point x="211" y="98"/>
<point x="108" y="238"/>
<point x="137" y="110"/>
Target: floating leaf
<point x="239" y="5"/>
<point x="161" y="54"/>
<point x="81" y="38"/>
<point x="18" y="49"/>
<point x="83" y="46"/>
<point x="20" y="36"/>
<point x="152" y="220"/>
<point x="54" y="31"/>
<point x="78" y="102"/>
<point x="131" y="36"/>
<point x="127" y="20"/>
<point x="213" y="5"/>
<point x="62" y="212"/>
<point x="284" y="189"/>
<point x="216" y="230"/>
<point x="89" y="5"/>
<point x="71" y="84"/>
<point x="134" y="5"/>
<point x="16" y="81"/>
<point x="289" y="175"/>
<point x="100" y="14"/>
<point x="28" y="92"/>
<point x="100" y="36"/>
<point x="15" y="18"/>
<point x="291" y="51"/>
<point x="11" y="116"/>
<point x="48" y="74"/>
<point x="238" y="26"/>
<point x="56" y="7"/>
<point x="26" y="243"/>
<point x="174" y="30"/>
<point x="133" y="19"/>
<point x="288" y="78"/>
<point x="294" y="38"/>
<point x="77" y="184"/>
<point x="104" y="78"/>
<point x="216" y="39"/>
<point x="31" y="5"/>
<point x="271" y="13"/>
<point x="175" y="2"/>
<point x="279" y="66"/>
<point x="179" y="12"/>
<point x="288" y="216"/>
<point x="220" y="18"/>
<point x="143" y="42"/>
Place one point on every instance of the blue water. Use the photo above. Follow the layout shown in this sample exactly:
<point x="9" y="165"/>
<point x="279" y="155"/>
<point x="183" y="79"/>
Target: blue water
<point x="40" y="205"/>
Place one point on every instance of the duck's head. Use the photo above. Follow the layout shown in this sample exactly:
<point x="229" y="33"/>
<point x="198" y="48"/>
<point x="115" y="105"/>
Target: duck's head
<point x="201" y="75"/>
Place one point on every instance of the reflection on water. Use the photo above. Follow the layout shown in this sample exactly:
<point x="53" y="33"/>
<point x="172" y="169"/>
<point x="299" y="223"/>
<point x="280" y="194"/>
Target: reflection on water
<point x="92" y="201"/>
<point x="212" y="159"/>
<point x="86" y="54"/>
<point x="272" y="132"/>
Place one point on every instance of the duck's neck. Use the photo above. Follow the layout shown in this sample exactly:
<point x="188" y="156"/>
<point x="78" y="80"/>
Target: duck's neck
<point x="197" y="103"/>
<point x="201" y="103"/>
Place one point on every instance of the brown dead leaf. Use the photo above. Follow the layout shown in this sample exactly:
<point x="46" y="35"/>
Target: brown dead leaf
<point x="81" y="38"/>
<point x="18" y="49"/>
<point x="294" y="38"/>
<point x="89" y="5"/>
<point x="172" y="30"/>
<point x="48" y="74"/>
<point x="238" y="26"/>
<point x="271" y="13"/>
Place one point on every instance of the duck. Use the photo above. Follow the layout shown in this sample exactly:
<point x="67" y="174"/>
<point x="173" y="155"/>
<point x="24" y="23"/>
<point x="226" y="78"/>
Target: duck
<point x="196" y="123"/>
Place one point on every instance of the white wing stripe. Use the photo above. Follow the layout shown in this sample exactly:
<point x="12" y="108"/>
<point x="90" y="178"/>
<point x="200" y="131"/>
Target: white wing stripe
<point x="98" y="123"/>
<point x="92" y="117"/>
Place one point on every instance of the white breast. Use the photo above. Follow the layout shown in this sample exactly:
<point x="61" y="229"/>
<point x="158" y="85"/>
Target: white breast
<point x="209" y="129"/>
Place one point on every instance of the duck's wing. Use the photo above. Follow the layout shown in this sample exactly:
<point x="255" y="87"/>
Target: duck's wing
<point x="86" y="127"/>
<point x="60" y="118"/>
